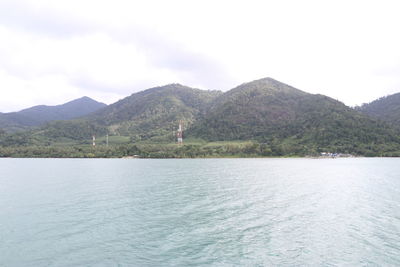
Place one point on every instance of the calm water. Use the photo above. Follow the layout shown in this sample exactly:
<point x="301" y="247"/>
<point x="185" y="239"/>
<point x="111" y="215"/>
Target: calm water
<point x="200" y="212"/>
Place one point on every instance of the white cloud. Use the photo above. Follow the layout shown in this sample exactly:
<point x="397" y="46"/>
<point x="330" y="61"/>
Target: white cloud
<point x="53" y="51"/>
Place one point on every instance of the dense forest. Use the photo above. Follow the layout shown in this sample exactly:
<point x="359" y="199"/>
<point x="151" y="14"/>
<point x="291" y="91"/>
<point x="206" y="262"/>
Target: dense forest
<point x="263" y="118"/>
<point x="386" y="108"/>
<point x="38" y="115"/>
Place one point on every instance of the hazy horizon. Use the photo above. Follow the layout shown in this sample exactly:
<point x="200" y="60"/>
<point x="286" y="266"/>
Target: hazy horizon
<point x="54" y="52"/>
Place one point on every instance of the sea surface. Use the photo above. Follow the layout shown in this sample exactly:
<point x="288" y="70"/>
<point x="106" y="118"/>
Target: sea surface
<point x="200" y="212"/>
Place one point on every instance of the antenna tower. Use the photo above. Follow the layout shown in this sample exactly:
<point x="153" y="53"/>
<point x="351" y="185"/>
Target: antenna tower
<point x="179" y="133"/>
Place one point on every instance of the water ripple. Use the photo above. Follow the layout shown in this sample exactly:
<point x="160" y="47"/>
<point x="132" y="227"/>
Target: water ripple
<point x="217" y="212"/>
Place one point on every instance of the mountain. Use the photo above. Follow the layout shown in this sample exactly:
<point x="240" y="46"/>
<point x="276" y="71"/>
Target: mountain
<point x="277" y="118"/>
<point x="149" y="114"/>
<point x="386" y="108"/>
<point x="250" y="110"/>
<point x="39" y="115"/>
<point x="275" y="113"/>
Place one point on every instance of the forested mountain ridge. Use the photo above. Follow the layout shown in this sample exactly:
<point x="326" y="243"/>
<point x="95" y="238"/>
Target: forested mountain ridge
<point x="149" y="114"/>
<point x="155" y="111"/>
<point x="276" y="118"/>
<point x="385" y="108"/>
<point x="248" y="110"/>
<point x="272" y="112"/>
<point x="41" y="114"/>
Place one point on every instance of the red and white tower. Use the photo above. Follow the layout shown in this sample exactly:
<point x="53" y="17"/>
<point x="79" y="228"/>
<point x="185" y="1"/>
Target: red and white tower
<point x="179" y="133"/>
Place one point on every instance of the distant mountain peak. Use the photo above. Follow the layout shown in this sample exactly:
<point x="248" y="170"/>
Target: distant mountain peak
<point x="268" y="81"/>
<point x="40" y="114"/>
<point x="174" y="86"/>
<point x="267" y="86"/>
<point x="84" y="99"/>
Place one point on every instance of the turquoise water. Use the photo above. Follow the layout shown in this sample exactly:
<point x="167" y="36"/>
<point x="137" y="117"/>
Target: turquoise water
<point x="200" y="212"/>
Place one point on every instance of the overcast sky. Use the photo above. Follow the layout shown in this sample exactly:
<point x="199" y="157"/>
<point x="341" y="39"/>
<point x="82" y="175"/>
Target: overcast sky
<point x="55" y="51"/>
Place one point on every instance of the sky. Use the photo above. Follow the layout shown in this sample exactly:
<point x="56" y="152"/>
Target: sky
<point x="52" y="52"/>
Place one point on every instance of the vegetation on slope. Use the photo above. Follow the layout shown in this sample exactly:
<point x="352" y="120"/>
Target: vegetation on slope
<point x="260" y="118"/>
<point x="274" y="113"/>
<point x="154" y="113"/>
<point x="386" y="108"/>
<point x="38" y="115"/>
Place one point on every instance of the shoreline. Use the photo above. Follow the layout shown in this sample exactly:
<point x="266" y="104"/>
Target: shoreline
<point x="142" y="158"/>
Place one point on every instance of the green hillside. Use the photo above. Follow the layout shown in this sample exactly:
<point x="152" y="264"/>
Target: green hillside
<point x="152" y="114"/>
<point x="277" y="114"/>
<point x="260" y="118"/>
<point x="386" y="108"/>
<point x="251" y="110"/>
<point x="38" y="115"/>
